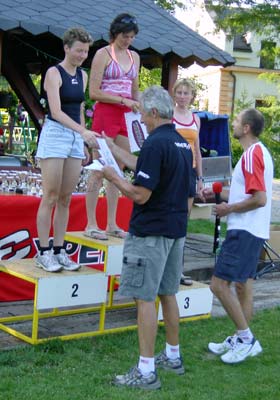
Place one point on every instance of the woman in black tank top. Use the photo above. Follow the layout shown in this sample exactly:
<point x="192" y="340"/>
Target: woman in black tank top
<point x="61" y="148"/>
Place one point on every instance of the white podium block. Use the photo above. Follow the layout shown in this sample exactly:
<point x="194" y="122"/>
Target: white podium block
<point x="113" y="249"/>
<point x="192" y="300"/>
<point x="68" y="291"/>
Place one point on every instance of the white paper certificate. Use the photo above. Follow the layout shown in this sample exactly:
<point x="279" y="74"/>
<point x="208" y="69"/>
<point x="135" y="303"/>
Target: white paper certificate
<point x="107" y="156"/>
<point x="137" y="131"/>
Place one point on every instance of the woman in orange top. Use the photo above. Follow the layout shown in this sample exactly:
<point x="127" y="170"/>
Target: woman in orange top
<point x="188" y="124"/>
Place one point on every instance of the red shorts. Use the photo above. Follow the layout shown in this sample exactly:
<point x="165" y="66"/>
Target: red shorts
<point x="110" y="119"/>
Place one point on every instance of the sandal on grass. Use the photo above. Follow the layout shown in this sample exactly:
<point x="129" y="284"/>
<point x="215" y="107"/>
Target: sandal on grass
<point x="95" y="233"/>
<point x="118" y="233"/>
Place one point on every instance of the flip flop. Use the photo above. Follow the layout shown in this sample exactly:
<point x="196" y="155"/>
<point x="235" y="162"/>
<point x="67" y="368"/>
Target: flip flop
<point x="118" y="233"/>
<point x="95" y="233"/>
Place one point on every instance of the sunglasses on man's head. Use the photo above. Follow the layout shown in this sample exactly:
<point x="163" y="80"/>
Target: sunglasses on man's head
<point x="128" y="20"/>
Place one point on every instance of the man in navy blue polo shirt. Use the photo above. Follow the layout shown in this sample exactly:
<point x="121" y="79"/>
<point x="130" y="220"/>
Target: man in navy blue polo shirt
<point x="153" y="248"/>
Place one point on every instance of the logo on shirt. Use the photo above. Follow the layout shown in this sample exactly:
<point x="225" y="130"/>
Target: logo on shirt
<point x="74" y="81"/>
<point x="141" y="173"/>
<point x="183" y="145"/>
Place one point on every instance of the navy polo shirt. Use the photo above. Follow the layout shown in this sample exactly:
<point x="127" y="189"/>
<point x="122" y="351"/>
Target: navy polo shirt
<point x="164" y="166"/>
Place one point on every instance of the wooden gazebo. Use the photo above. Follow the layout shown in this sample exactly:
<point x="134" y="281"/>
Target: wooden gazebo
<point x="30" y="40"/>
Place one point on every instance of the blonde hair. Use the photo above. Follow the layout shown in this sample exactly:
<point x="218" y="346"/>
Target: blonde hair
<point x="185" y="82"/>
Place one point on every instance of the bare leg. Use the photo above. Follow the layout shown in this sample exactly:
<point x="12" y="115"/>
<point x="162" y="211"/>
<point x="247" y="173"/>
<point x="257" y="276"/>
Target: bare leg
<point x="171" y="319"/>
<point x="112" y="191"/>
<point x="244" y="293"/>
<point x="70" y="177"/>
<point x="52" y="170"/>
<point x="94" y="185"/>
<point x="229" y="301"/>
<point x="147" y="327"/>
<point x="190" y="204"/>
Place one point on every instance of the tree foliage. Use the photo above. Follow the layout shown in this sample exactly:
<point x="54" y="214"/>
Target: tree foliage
<point x="169" y="5"/>
<point x="263" y="18"/>
<point x="238" y="16"/>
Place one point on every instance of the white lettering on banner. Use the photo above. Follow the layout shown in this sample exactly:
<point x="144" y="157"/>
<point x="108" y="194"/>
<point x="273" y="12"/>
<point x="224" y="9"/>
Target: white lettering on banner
<point x="10" y="245"/>
<point x="19" y="245"/>
<point x="141" y="173"/>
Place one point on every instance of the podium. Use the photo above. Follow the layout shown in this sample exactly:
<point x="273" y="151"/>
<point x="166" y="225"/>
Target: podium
<point x="89" y="291"/>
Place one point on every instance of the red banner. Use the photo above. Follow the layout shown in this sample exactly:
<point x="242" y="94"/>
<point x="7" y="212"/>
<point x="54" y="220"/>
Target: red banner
<point x="19" y="239"/>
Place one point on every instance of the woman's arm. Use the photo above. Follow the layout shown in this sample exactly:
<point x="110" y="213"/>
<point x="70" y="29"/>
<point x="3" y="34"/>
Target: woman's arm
<point x="198" y="158"/>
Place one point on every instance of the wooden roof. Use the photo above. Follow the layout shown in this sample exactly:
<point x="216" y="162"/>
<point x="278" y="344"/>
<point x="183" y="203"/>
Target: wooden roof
<point x="41" y="22"/>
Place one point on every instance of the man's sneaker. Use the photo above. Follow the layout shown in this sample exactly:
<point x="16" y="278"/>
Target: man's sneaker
<point x="176" y="366"/>
<point x="65" y="261"/>
<point x="221" y="348"/>
<point x="135" y="379"/>
<point x="241" y="351"/>
<point x="48" y="262"/>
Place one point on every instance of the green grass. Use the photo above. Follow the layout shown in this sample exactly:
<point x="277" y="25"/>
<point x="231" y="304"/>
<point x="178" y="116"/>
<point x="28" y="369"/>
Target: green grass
<point x="204" y="226"/>
<point x="84" y="369"/>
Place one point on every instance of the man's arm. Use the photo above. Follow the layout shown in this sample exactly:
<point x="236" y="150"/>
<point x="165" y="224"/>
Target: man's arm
<point x="139" y="194"/>
<point x="258" y="199"/>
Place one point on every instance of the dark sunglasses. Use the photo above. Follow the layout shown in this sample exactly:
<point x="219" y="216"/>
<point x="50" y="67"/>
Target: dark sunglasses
<point x="128" y="20"/>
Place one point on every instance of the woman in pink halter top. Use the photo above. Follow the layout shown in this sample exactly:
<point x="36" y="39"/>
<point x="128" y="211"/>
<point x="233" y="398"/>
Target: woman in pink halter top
<point x="114" y="86"/>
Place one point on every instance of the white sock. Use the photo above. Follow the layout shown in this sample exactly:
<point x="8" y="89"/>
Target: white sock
<point x="146" y="365"/>
<point x="245" y="335"/>
<point x="172" y="352"/>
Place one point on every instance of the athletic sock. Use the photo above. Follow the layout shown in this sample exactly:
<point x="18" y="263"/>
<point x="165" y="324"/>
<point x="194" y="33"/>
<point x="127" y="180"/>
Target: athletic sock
<point x="172" y="352"/>
<point x="56" y="249"/>
<point x="146" y="365"/>
<point x="43" y="249"/>
<point x="245" y="335"/>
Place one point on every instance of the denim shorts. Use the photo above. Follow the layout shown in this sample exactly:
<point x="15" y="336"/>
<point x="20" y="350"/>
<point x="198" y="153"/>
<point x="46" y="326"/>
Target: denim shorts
<point x="239" y="256"/>
<point x="57" y="141"/>
<point x="152" y="265"/>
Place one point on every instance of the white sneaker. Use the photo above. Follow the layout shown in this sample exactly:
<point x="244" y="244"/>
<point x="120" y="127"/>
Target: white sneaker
<point x="65" y="261"/>
<point x="221" y="348"/>
<point x="241" y="351"/>
<point x="48" y="262"/>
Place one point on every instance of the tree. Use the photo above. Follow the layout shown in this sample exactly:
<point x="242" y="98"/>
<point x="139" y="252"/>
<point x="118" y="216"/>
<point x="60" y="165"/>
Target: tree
<point x="169" y="5"/>
<point x="262" y="17"/>
<point x="237" y="16"/>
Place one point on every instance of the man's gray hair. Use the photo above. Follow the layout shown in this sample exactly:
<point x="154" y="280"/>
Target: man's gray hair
<point x="155" y="97"/>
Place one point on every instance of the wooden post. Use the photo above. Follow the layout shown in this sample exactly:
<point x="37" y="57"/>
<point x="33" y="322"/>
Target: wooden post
<point x="169" y="74"/>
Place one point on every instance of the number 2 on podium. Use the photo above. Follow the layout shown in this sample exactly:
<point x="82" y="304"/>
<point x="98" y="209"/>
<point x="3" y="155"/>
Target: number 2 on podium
<point x="75" y="288"/>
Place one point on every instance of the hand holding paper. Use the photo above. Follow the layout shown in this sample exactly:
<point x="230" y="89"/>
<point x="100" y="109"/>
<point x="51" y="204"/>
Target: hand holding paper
<point x="105" y="159"/>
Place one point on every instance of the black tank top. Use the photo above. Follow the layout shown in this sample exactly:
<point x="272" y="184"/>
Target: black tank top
<point x="71" y="94"/>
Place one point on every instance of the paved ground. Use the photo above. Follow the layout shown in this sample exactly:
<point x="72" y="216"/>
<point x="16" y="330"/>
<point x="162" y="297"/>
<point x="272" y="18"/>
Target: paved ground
<point x="199" y="262"/>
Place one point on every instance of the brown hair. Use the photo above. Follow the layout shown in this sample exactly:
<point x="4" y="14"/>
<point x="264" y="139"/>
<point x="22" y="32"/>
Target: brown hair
<point x="76" y="34"/>
<point x="123" y="23"/>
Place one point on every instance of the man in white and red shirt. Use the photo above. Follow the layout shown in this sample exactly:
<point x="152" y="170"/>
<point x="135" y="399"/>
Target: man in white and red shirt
<point x="248" y="212"/>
